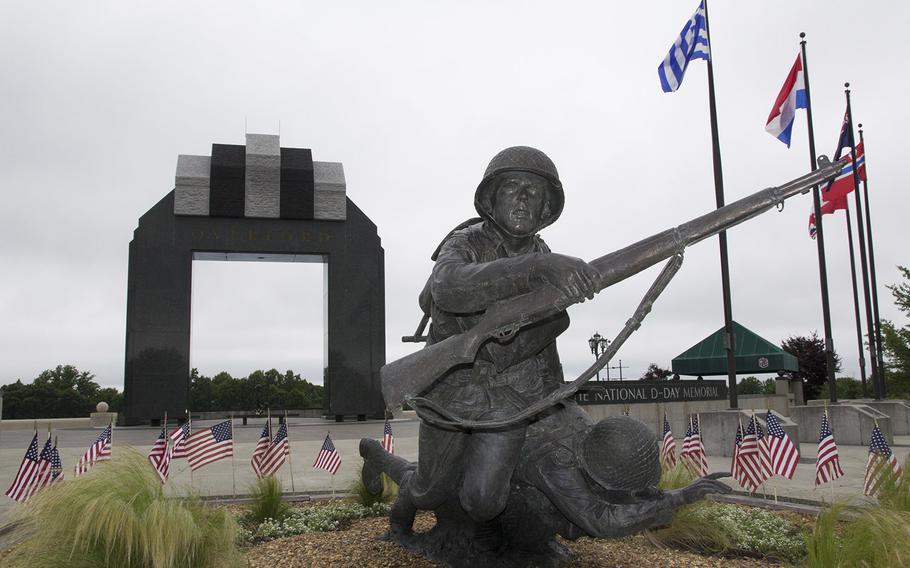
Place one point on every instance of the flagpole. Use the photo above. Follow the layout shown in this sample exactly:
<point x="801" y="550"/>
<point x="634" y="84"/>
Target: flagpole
<point x="233" y="459"/>
<point x="819" y="234"/>
<point x="856" y="316"/>
<point x="875" y="313"/>
<point x="877" y="387"/>
<point x="729" y="339"/>
<point x="189" y="420"/>
<point x="287" y="429"/>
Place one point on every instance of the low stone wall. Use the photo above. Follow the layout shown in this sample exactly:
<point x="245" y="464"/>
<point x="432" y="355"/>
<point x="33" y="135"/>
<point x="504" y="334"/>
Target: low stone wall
<point x="678" y="412"/>
<point x="42" y="423"/>
<point x="222" y="414"/>
<point x="852" y="423"/>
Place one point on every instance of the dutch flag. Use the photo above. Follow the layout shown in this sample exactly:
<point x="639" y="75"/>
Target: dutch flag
<point x="791" y="97"/>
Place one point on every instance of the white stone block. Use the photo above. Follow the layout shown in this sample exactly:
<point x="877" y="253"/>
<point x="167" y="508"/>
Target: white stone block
<point x="263" y="176"/>
<point x="191" y="185"/>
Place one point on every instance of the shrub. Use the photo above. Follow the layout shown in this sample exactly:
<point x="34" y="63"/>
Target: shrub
<point x="312" y="519"/>
<point x="117" y="515"/>
<point x="716" y="528"/>
<point x="267" y="500"/>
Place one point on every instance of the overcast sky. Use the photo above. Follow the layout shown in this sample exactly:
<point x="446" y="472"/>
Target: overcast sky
<point x="98" y="99"/>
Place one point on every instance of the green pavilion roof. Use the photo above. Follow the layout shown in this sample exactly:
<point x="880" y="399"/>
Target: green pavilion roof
<point x="754" y="354"/>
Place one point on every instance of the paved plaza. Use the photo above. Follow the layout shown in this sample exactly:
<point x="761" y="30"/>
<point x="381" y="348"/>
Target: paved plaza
<point x="227" y="477"/>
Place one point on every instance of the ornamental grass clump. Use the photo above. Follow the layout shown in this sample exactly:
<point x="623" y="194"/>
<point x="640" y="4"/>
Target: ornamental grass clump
<point x="875" y="535"/>
<point x="117" y="516"/>
<point x="359" y="493"/>
<point x="268" y="501"/>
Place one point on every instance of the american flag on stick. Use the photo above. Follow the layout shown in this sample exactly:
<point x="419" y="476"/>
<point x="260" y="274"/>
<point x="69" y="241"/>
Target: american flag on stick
<point x="754" y="461"/>
<point x="210" y="445"/>
<point x="692" y="453"/>
<point x="44" y="467"/>
<point x="784" y="455"/>
<point x="388" y="441"/>
<point x="160" y="455"/>
<point x="99" y="451"/>
<point x="827" y="461"/>
<point x="328" y="459"/>
<point x="277" y="452"/>
<point x="668" y="449"/>
<point x="27" y="475"/>
<point x="54" y="473"/>
<point x="178" y="437"/>
<point x="265" y="440"/>
<point x="882" y="463"/>
<point x="735" y="469"/>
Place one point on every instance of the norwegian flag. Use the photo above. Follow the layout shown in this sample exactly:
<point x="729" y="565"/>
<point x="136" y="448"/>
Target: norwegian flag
<point x="882" y="462"/>
<point x="754" y="463"/>
<point x="178" y="438"/>
<point x="827" y="461"/>
<point x="388" y="441"/>
<point x="328" y="459"/>
<point x="160" y="455"/>
<point x="276" y="454"/>
<point x="692" y="453"/>
<point x="99" y="451"/>
<point x="27" y="475"/>
<point x="668" y="448"/>
<point x="262" y="446"/>
<point x="784" y="455"/>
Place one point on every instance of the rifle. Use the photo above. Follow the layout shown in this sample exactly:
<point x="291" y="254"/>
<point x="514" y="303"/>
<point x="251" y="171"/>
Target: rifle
<point x="414" y="373"/>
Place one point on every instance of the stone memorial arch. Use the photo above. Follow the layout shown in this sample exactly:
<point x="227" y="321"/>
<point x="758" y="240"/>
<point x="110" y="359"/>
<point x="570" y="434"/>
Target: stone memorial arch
<point x="258" y="202"/>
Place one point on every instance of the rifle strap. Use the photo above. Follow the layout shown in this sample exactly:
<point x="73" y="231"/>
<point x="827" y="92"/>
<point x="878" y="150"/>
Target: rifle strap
<point x="435" y="415"/>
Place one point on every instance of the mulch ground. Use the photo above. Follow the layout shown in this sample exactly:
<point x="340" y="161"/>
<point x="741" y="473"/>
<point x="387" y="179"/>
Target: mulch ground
<point x="357" y="545"/>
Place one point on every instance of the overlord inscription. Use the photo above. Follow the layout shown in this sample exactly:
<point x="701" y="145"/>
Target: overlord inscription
<point x="632" y="392"/>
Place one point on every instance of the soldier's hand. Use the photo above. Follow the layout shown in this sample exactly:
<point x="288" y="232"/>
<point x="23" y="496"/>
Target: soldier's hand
<point x="706" y="485"/>
<point x="575" y="278"/>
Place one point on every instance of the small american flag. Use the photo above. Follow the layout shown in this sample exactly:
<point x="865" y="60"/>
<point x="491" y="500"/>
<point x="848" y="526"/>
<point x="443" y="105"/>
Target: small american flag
<point x="178" y="437"/>
<point x="56" y="465"/>
<point x="784" y="455"/>
<point x="160" y="455"/>
<point x="20" y="490"/>
<point x="265" y="440"/>
<point x="735" y="469"/>
<point x="668" y="450"/>
<point x="754" y="464"/>
<point x="882" y="462"/>
<point x="388" y="441"/>
<point x="210" y="445"/>
<point x="277" y="452"/>
<point x="692" y="453"/>
<point x="328" y="459"/>
<point x="827" y="462"/>
<point x="43" y="476"/>
<point x="99" y="451"/>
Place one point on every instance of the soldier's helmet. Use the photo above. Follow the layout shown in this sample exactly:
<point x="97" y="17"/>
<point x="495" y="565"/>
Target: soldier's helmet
<point x="520" y="159"/>
<point x="621" y="453"/>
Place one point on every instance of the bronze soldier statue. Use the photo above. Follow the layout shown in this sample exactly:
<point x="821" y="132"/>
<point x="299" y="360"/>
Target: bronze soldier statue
<point x="498" y="257"/>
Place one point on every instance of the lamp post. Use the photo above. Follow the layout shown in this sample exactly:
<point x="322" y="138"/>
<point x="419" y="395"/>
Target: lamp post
<point x="598" y="346"/>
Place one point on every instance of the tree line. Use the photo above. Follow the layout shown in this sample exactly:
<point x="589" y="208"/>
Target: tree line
<point x="67" y="392"/>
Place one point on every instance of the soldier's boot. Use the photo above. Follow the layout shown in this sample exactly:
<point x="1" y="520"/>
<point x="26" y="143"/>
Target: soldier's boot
<point x="377" y="461"/>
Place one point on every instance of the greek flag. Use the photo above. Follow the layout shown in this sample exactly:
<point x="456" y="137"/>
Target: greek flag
<point x="691" y="43"/>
